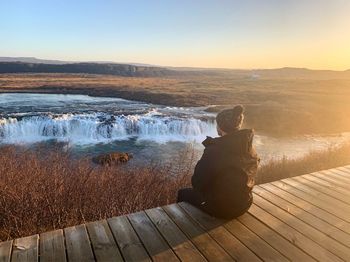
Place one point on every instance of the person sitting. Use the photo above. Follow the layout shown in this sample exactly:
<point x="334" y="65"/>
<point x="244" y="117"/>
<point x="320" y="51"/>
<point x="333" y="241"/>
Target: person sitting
<point x="225" y="175"/>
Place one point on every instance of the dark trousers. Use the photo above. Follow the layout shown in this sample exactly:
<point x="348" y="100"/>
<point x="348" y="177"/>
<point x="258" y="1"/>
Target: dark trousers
<point x="194" y="198"/>
<point x="190" y="196"/>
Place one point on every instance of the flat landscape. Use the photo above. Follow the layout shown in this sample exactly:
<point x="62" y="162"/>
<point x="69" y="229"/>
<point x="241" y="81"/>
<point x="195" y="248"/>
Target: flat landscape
<point x="279" y="102"/>
<point x="110" y="108"/>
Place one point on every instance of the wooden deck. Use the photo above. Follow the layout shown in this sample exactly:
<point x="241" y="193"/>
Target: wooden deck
<point x="305" y="218"/>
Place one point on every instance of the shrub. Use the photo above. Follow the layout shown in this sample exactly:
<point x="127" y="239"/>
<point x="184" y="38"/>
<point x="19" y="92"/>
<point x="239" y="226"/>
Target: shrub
<point x="42" y="190"/>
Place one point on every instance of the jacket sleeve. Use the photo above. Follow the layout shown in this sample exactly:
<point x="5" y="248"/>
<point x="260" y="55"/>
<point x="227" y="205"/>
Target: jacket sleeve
<point x="204" y="171"/>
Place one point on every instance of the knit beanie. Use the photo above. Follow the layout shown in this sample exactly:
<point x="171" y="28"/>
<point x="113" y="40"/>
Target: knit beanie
<point x="230" y="120"/>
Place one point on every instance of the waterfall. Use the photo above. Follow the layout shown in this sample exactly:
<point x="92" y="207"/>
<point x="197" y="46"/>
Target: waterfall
<point x="92" y="128"/>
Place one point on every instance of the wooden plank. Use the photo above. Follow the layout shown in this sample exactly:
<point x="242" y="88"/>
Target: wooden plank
<point x="313" y="200"/>
<point x="343" y="171"/>
<point x="156" y="246"/>
<point x="340" y="176"/>
<point x="339" y="173"/>
<point x="52" y="246"/>
<point x="296" y="238"/>
<point x="321" y="196"/>
<point x="346" y="169"/>
<point x="327" y="175"/>
<point x="103" y="244"/>
<point x="25" y="249"/>
<point x="201" y="239"/>
<point x="5" y="251"/>
<point x="320" y="238"/>
<point x="178" y="241"/>
<point x="260" y="247"/>
<point x="325" y="190"/>
<point x="130" y="245"/>
<point x="307" y="206"/>
<point x="308" y="218"/>
<point x="218" y="232"/>
<point x="335" y="175"/>
<point x="78" y="244"/>
<point x="274" y="239"/>
<point x="330" y="186"/>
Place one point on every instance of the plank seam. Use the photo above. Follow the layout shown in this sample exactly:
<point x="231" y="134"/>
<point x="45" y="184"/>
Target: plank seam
<point x="89" y="238"/>
<point x="160" y="233"/>
<point x="311" y="204"/>
<point x="331" y="175"/>
<point x="329" y="199"/>
<point x="11" y="250"/>
<point x="144" y="247"/>
<point x="330" y="179"/>
<point x="339" y="171"/>
<point x="186" y="214"/>
<point x="206" y="231"/>
<point x="141" y="238"/>
<point x="306" y="199"/>
<point x="183" y="233"/>
<point x="223" y="225"/>
<point x="340" y="175"/>
<point x="115" y="240"/>
<point x="301" y="231"/>
<point x="323" y="186"/>
<point x="257" y="237"/>
<point x="65" y="244"/>
<point x="330" y="236"/>
<point x="316" y="207"/>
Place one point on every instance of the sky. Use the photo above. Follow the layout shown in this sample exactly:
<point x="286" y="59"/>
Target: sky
<point x="191" y="33"/>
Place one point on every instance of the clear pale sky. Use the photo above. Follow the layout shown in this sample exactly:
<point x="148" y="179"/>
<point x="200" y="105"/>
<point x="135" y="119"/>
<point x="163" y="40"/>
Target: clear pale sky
<point x="200" y="33"/>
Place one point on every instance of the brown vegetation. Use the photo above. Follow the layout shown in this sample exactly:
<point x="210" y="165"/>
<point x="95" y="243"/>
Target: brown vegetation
<point x="312" y="162"/>
<point x="41" y="191"/>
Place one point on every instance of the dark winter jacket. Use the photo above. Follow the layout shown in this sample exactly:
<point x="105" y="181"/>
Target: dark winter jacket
<point x="224" y="176"/>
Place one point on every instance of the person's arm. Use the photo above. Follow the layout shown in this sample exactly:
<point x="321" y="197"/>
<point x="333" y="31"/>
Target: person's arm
<point x="204" y="171"/>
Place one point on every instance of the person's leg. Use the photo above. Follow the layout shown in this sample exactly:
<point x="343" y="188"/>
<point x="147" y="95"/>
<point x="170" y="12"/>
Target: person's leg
<point x="190" y="196"/>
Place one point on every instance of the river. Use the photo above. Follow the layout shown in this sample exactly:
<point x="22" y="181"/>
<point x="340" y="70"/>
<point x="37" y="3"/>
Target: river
<point x="93" y="125"/>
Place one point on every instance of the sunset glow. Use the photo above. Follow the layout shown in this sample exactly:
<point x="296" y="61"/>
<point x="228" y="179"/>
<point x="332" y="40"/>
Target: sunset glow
<point x="221" y="34"/>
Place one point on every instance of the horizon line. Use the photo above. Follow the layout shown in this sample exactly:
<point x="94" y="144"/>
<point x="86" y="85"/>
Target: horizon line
<point x="166" y="66"/>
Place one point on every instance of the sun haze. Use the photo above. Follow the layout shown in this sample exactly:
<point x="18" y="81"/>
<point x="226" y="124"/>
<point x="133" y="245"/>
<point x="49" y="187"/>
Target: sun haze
<point x="220" y="34"/>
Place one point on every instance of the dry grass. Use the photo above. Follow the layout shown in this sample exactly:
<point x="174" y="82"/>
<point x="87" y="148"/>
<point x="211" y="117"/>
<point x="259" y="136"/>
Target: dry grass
<point x="41" y="191"/>
<point x="312" y="162"/>
<point x="44" y="190"/>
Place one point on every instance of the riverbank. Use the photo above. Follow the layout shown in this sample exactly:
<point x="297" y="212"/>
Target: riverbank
<point x="274" y="105"/>
<point x="44" y="190"/>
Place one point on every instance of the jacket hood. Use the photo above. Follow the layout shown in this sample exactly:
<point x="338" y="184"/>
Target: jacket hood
<point x="240" y="140"/>
<point x="242" y="134"/>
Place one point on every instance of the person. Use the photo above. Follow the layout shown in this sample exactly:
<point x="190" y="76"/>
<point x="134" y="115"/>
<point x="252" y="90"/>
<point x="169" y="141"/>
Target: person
<point x="224" y="176"/>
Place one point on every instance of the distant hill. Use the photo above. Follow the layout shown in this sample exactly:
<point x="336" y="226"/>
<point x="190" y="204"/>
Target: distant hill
<point x="35" y="60"/>
<point x="34" y="65"/>
<point x="86" y="68"/>
<point x="31" y="60"/>
<point x="304" y="73"/>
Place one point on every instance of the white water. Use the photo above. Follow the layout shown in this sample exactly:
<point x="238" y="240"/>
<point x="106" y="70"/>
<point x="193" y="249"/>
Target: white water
<point x="95" y="128"/>
<point x="97" y="125"/>
<point x="83" y="120"/>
